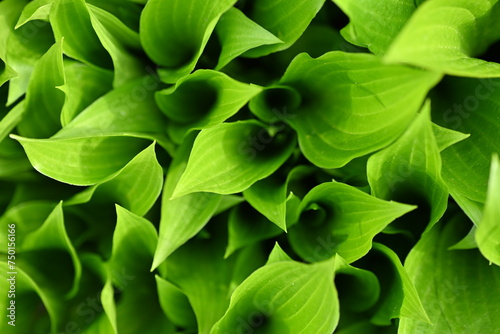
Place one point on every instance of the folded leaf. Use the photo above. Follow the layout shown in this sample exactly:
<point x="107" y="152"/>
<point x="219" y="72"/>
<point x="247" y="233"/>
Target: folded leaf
<point x="81" y="161"/>
<point x="488" y="231"/>
<point x="294" y="17"/>
<point x="44" y="101"/>
<point x="469" y="106"/>
<point x="137" y="186"/>
<point x="458" y="288"/>
<point x="446" y="35"/>
<point x="181" y="218"/>
<point x="340" y="219"/>
<point x="352" y="104"/>
<point x="35" y="10"/>
<point x="70" y="20"/>
<point x="239" y="34"/>
<point x="375" y="24"/>
<point x="201" y="100"/>
<point x="284" y="297"/>
<point x="175" y="304"/>
<point x="84" y="84"/>
<point x="51" y="236"/>
<point x="175" y="32"/>
<point x="239" y="154"/>
<point x="409" y="171"/>
<point x="246" y="226"/>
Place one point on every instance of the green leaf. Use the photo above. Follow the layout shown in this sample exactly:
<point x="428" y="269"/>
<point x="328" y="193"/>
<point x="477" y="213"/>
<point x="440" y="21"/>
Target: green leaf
<point x="409" y="171"/>
<point x="201" y="273"/>
<point x="10" y="121"/>
<point x="340" y="219"/>
<point x="294" y="17"/>
<point x="35" y="10"/>
<point x="81" y="161"/>
<point x="375" y="24"/>
<point x="175" y="32"/>
<point x="84" y="84"/>
<point x="461" y="295"/>
<point x="6" y="72"/>
<point x="239" y="34"/>
<point x="239" y="154"/>
<point x="133" y="235"/>
<point x="30" y="298"/>
<point x="358" y="289"/>
<point x="181" y="218"/>
<point x="469" y="106"/>
<point x="23" y="48"/>
<point x="71" y="20"/>
<point x="175" y="304"/>
<point x="218" y="97"/>
<point x="121" y="42"/>
<point x="409" y="302"/>
<point x="446" y="137"/>
<point x="247" y="226"/>
<point x="488" y="231"/>
<point x="51" y="235"/>
<point x="446" y="35"/>
<point x="284" y="297"/>
<point x="278" y="255"/>
<point x="44" y="101"/>
<point x="366" y="107"/>
<point x="137" y="186"/>
<point x="127" y="109"/>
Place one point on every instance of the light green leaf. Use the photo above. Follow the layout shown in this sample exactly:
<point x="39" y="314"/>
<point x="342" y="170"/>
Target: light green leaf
<point x="175" y="304"/>
<point x="121" y="42"/>
<point x="182" y="218"/>
<point x="202" y="100"/>
<point x="458" y="288"/>
<point x="81" y="161"/>
<point x="230" y="157"/>
<point x="10" y="121"/>
<point x="270" y="196"/>
<point x="6" y="72"/>
<point x="23" y="48"/>
<point x="35" y="10"/>
<point x="488" y="231"/>
<point x="446" y="137"/>
<point x="340" y="219"/>
<point x="446" y="35"/>
<point x="239" y="34"/>
<point x="284" y="297"/>
<point x="469" y="106"/>
<point x="375" y="24"/>
<point x="278" y="255"/>
<point x="44" y="101"/>
<point x="175" y="32"/>
<point x="294" y="17"/>
<point x="127" y="109"/>
<point x="51" y="236"/>
<point x="84" y="84"/>
<point x="70" y="19"/>
<point x="137" y="186"/>
<point x="133" y="235"/>
<point x="246" y="226"/>
<point x="409" y="171"/>
<point x="351" y="104"/>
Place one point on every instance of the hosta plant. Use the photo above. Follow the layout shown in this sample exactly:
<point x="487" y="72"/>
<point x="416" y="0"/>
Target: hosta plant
<point x="252" y="166"/>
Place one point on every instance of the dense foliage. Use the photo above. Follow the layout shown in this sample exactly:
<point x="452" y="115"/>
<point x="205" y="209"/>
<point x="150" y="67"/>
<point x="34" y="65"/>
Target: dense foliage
<point x="258" y="166"/>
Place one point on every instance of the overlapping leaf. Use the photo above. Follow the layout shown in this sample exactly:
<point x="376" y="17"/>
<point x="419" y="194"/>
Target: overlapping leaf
<point x="351" y="104"/>
<point x="446" y="36"/>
